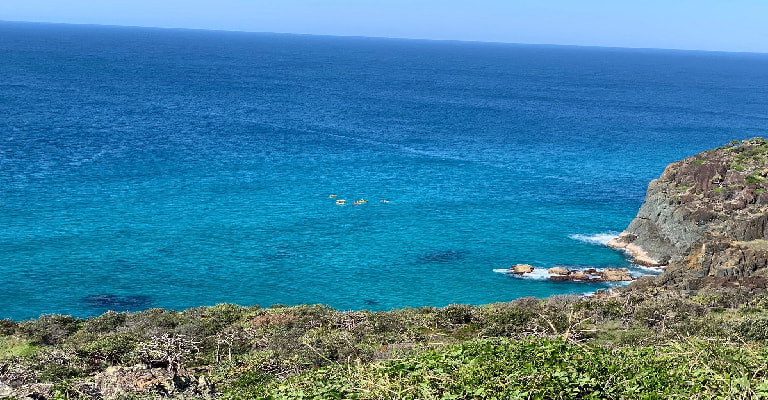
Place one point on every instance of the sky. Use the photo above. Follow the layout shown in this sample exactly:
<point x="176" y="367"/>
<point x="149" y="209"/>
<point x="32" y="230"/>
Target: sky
<point x="716" y="25"/>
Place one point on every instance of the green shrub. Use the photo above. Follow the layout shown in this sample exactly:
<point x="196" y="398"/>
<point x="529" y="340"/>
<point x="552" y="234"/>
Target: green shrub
<point x="397" y="326"/>
<point x="453" y="315"/>
<point x="12" y="346"/>
<point x="731" y="298"/>
<point x="94" y="328"/>
<point x="111" y="349"/>
<point x="753" y="179"/>
<point x="152" y="322"/>
<point x="663" y="312"/>
<point x="49" y="329"/>
<point x="207" y="321"/>
<point x="753" y="329"/>
<point x="506" y="319"/>
<point x="55" y="365"/>
<point x="7" y="327"/>
<point x="104" y="323"/>
<point x="325" y="346"/>
<point x="737" y="166"/>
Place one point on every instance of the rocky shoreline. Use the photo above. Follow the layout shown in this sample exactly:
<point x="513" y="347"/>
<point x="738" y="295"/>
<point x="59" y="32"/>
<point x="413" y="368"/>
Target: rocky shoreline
<point x="638" y="254"/>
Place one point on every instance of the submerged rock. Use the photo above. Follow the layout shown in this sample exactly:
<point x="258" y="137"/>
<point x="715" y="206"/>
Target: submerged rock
<point x="115" y="302"/>
<point x="443" y="256"/>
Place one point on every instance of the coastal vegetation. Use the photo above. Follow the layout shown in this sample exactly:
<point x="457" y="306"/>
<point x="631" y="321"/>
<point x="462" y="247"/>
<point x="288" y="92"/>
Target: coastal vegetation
<point x="644" y="342"/>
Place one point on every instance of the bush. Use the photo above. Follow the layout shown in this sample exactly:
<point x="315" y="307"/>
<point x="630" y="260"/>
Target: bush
<point x="208" y="321"/>
<point x="49" y="330"/>
<point x="152" y="322"/>
<point x="722" y="298"/>
<point x="93" y="329"/>
<point x="107" y="322"/>
<point x="506" y="319"/>
<point x="453" y="315"/>
<point x="7" y="327"/>
<point x="325" y="346"/>
<point x="753" y="329"/>
<point x="665" y="311"/>
<point x="57" y="365"/>
<point x="12" y="346"/>
<point x="110" y="349"/>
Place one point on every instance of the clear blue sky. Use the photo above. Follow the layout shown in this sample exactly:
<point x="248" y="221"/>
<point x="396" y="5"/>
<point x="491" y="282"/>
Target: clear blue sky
<point x="726" y="25"/>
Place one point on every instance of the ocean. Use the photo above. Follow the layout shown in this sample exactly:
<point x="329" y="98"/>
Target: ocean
<point x="146" y="168"/>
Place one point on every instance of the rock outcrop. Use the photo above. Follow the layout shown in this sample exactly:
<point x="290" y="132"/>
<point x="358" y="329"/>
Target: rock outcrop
<point x="521" y="269"/>
<point x="706" y="218"/>
<point x="590" y="275"/>
<point x="576" y="275"/>
<point x="120" y="382"/>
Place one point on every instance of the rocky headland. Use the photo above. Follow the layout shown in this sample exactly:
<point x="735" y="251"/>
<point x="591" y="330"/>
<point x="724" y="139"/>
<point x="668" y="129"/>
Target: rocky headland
<point x="705" y="220"/>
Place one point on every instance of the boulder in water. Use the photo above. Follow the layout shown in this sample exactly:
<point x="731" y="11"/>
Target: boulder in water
<point x="521" y="269"/>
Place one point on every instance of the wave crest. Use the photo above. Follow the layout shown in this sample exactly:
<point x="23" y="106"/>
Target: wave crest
<point x="538" y="274"/>
<point x="600" y="239"/>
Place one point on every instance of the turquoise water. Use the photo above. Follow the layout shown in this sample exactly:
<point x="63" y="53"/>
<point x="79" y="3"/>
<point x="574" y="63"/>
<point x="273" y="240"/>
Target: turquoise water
<point x="168" y="168"/>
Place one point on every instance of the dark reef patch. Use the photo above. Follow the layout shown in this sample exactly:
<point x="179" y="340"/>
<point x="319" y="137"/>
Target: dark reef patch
<point x="117" y="303"/>
<point x="444" y="256"/>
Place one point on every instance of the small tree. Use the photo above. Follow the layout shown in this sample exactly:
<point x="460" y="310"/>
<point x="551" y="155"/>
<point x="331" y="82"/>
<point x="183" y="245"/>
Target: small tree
<point x="169" y="351"/>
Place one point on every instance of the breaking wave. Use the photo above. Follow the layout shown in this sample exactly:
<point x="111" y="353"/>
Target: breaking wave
<point x="538" y="274"/>
<point x="600" y="239"/>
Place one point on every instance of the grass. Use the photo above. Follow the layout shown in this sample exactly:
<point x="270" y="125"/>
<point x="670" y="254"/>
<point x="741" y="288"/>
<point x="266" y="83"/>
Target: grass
<point x="13" y="347"/>
<point x="754" y="179"/>
<point x="738" y="166"/>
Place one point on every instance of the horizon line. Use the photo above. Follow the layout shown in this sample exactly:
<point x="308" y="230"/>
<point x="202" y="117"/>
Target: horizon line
<point x="390" y="37"/>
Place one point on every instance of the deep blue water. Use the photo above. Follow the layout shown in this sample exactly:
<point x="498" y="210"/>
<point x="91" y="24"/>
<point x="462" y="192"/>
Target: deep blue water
<point x="169" y="168"/>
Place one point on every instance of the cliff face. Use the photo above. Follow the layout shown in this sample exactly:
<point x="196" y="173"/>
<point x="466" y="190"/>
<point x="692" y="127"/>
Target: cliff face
<point x="706" y="217"/>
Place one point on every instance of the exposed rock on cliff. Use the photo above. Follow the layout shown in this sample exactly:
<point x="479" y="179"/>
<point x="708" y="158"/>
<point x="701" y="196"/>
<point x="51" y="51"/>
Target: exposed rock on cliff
<point x="706" y="217"/>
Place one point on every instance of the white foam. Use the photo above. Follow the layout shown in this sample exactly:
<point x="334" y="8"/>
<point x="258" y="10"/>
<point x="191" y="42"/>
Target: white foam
<point x="652" y="270"/>
<point x="538" y="274"/>
<point x="600" y="239"/>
